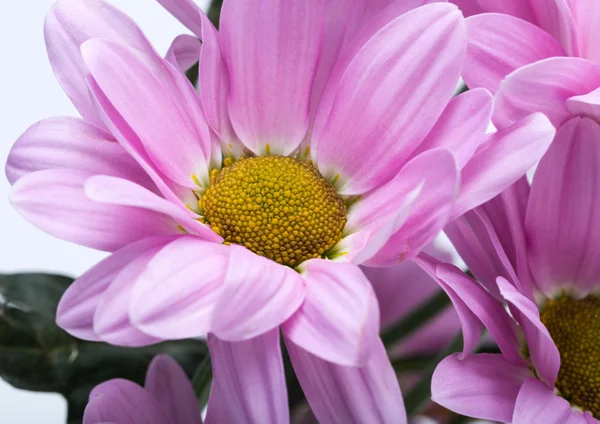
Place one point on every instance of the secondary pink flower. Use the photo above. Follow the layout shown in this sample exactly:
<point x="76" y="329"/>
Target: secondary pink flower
<point x="217" y="221"/>
<point x="506" y="35"/>
<point x="166" y="398"/>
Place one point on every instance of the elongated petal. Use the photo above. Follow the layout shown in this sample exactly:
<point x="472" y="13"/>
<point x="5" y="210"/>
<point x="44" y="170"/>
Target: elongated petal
<point x="68" y="25"/>
<point x="543" y="351"/>
<point x="176" y="294"/>
<point x="544" y="87"/>
<point x="271" y="50"/>
<point x="77" y="306"/>
<point x="502" y="160"/>
<point x="340" y="394"/>
<point x="339" y="319"/>
<point x="133" y="406"/>
<point x="497" y="48"/>
<point x="251" y="374"/>
<point x="217" y="410"/>
<point x="171" y="124"/>
<point x="462" y="125"/>
<point x="538" y="404"/>
<point x="563" y="222"/>
<point x="482" y="386"/>
<point x="378" y="111"/>
<point x="111" y="318"/>
<point x="187" y="12"/>
<point x="71" y="143"/>
<point x="184" y="52"/>
<point x="117" y="191"/>
<point x="174" y="392"/>
<point x="438" y="171"/>
<point x="258" y="295"/>
<point x="54" y="201"/>
<point x="554" y="17"/>
<point x="520" y="9"/>
<point x="586" y="14"/>
<point x="586" y="105"/>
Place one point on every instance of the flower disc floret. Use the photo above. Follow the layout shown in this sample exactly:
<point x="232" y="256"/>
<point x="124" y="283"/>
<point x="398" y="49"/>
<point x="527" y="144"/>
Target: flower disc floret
<point x="575" y="328"/>
<point x="276" y="206"/>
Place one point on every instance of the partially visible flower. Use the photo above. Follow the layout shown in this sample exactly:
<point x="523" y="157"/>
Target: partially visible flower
<point x="166" y="398"/>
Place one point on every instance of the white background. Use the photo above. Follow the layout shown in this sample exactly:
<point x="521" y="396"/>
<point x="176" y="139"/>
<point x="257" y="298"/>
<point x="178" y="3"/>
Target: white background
<point x="29" y="93"/>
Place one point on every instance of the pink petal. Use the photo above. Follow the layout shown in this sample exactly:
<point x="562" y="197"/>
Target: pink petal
<point x="77" y="306"/>
<point x="496" y="48"/>
<point x="518" y="8"/>
<point x="586" y="14"/>
<point x="258" y="295"/>
<point x="68" y="25"/>
<point x="585" y="105"/>
<point x="554" y="17"/>
<point x="482" y="386"/>
<point x="184" y="52"/>
<point x="271" y="50"/>
<point x="170" y="386"/>
<point x="502" y="160"/>
<point x="470" y="323"/>
<point x="217" y="410"/>
<point x="380" y="104"/>
<point x="71" y="143"/>
<point x="563" y="222"/>
<point x="440" y="182"/>
<point x="544" y="353"/>
<point x="175" y="296"/>
<point x="462" y="125"/>
<point x="341" y="394"/>
<point x="251" y="374"/>
<point x="171" y="124"/>
<point x="117" y="191"/>
<point x="339" y="319"/>
<point x="544" y="87"/>
<point x="54" y="201"/>
<point x="187" y="12"/>
<point x="538" y="404"/>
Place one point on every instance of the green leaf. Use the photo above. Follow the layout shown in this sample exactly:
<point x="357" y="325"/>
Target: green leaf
<point x="202" y="380"/>
<point x="214" y="12"/>
<point x="418" y="397"/>
<point x="416" y="319"/>
<point x="37" y="355"/>
<point x="192" y="74"/>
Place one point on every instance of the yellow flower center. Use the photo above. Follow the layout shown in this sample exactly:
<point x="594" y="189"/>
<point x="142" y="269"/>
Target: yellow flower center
<point x="276" y="206"/>
<point x="575" y="328"/>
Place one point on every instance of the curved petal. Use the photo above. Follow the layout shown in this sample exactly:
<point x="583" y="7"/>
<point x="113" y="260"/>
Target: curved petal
<point x="461" y="127"/>
<point x="176" y="294"/>
<point x="174" y="392"/>
<point x="187" y="12"/>
<point x="184" y="52"/>
<point x="381" y="102"/>
<point x="586" y="105"/>
<point x="554" y="17"/>
<point x="440" y="182"/>
<point x="482" y="386"/>
<point x="499" y="44"/>
<point x="519" y="8"/>
<point x="217" y="409"/>
<point x="339" y="319"/>
<point x="258" y="295"/>
<point x="538" y="404"/>
<point x="171" y="125"/>
<point x="563" y="215"/>
<point x="340" y="394"/>
<point x="54" y="201"/>
<point x="271" y="50"/>
<point x="251" y="374"/>
<point x="78" y="303"/>
<point x="586" y="14"/>
<point x="544" y="86"/>
<point x="71" y="143"/>
<point x="544" y="353"/>
<point x="504" y="158"/>
<point x="70" y="23"/>
<point x="117" y="191"/>
<point x="131" y="407"/>
<point x="112" y="323"/>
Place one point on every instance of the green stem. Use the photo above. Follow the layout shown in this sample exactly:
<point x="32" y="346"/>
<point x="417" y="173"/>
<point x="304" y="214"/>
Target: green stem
<point x="415" y="320"/>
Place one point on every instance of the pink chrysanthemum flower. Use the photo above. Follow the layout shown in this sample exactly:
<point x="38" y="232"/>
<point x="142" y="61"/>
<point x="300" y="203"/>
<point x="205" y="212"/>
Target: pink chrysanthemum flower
<point x="323" y="137"/>
<point x="166" y="398"/>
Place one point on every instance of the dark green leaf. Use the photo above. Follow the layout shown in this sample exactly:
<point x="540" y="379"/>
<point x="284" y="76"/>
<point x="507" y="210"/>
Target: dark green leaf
<point x="416" y="319"/>
<point x="214" y="12"/>
<point x="192" y="74"/>
<point x="202" y="380"/>
<point x="37" y="355"/>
